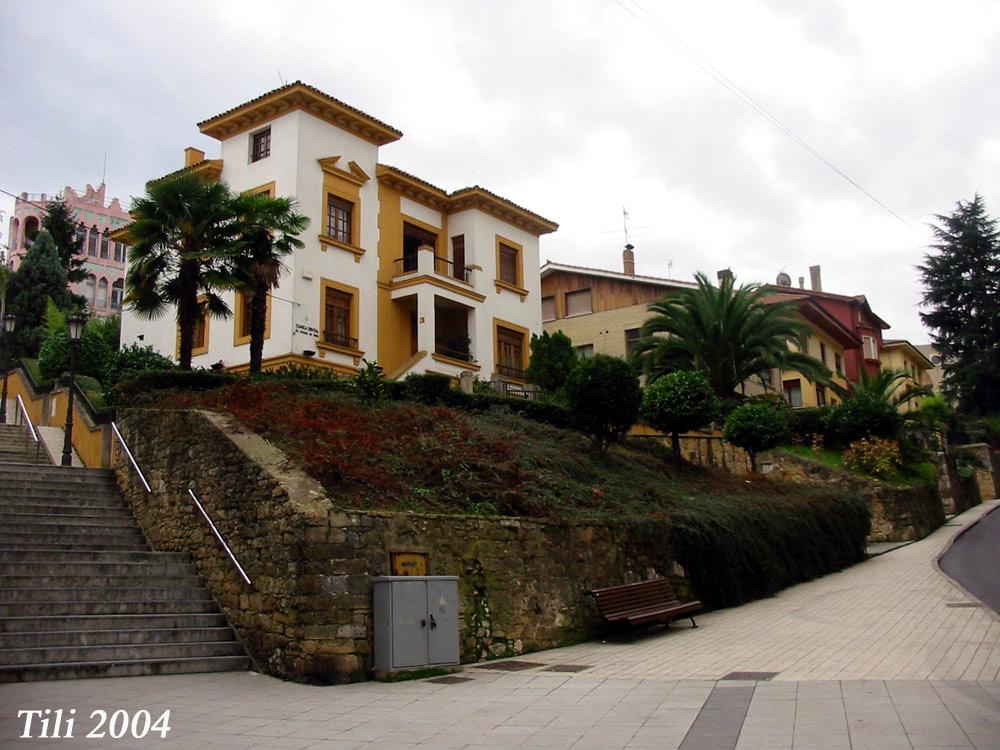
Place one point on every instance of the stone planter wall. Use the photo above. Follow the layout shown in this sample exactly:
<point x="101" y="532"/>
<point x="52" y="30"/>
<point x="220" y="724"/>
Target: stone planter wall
<point x="987" y="476"/>
<point x="307" y="614"/>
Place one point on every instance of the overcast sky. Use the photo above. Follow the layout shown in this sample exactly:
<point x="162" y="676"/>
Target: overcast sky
<point x="573" y="109"/>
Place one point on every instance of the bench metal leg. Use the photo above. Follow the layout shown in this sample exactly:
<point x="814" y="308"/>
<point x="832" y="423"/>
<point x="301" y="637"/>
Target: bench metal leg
<point x="693" y="623"/>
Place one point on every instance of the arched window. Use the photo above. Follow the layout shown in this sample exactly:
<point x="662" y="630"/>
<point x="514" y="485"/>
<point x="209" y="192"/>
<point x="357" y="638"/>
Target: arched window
<point x="30" y="229"/>
<point x="102" y="295"/>
<point x="117" y="292"/>
<point x="92" y="241"/>
<point x="105" y="244"/>
<point x="90" y="289"/>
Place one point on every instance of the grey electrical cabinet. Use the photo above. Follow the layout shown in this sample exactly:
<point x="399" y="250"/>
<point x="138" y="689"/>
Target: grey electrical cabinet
<point x="416" y="622"/>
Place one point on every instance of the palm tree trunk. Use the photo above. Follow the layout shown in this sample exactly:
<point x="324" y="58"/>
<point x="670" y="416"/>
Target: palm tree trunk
<point x="753" y="461"/>
<point x="188" y="311"/>
<point x="258" y="327"/>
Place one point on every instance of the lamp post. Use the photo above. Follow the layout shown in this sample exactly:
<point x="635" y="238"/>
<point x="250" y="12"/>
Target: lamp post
<point x="9" y="323"/>
<point x="75" y="326"/>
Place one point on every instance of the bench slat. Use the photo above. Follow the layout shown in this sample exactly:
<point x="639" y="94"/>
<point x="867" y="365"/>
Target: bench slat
<point x="643" y="602"/>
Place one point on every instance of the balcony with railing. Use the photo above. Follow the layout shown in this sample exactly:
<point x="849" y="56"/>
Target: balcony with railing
<point x="452" y="344"/>
<point x="338" y="339"/>
<point x="438" y="266"/>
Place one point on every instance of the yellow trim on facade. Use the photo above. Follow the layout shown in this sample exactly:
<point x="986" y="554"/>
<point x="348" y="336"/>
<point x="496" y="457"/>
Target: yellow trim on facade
<point x="354" y="173"/>
<point x="326" y="242"/>
<point x="240" y="309"/>
<point x="299" y="96"/>
<point x="525" y="341"/>
<point x="268" y="189"/>
<point x="440" y="284"/>
<point x="272" y="363"/>
<point x="461" y="363"/>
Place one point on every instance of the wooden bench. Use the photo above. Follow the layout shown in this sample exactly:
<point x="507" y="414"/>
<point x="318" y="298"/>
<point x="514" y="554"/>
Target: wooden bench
<point x="636" y="604"/>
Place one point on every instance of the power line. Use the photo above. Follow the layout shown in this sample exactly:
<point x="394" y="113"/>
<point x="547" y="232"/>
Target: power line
<point x="723" y="80"/>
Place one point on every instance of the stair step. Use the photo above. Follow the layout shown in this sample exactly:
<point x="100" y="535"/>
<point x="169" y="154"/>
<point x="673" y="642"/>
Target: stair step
<point x="42" y="521"/>
<point x="126" y="539"/>
<point x="74" y="511"/>
<point x="80" y="670"/>
<point x="45" y="623"/>
<point x="185" y="591"/>
<point x="147" y="580"/>
<point x="126" y="652"/>
<point x="31" y="544"/>
<point x="135" y="570"/>
<point x="29" y="555"/>
<point x="65" y="502"/>
<point x="127" y="637"/>
<point x="144" y="607"/>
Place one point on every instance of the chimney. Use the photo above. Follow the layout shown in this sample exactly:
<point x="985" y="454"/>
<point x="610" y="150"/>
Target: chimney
<point x="724" y="274"/>
<point x="628" y="260"/>
<point x="802" y="282"/>
<point x="817" y="284"/>
<point x="192" y="156"/>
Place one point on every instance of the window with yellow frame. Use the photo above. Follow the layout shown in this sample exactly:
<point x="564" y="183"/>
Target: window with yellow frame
<point x="510" y="266"/>
<point x="339" y="318"/>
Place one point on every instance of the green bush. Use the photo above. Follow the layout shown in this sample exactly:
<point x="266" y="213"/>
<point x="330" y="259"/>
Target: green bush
<point x="92" y="355"/>
<point x="552" y="360"/>
<point x="677" y="402"/>
<point x="755" y="427"/>
<point x="370" y="384"/>
<point x="427" y="388"/>
<point x="141" y="386"/>
<point x="861" y="416"/>
<point x="133" y="359"/>
<point x="875" y="456"/>
<point x="603" y="396"/>
<point x="805" y="424"/>
<point x="733" y="552"/>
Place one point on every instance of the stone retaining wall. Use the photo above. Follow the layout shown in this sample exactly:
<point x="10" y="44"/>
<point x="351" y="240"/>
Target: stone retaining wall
<point x="898" y="513"/>
<point x="307" y="614"/>
<point x="987" y="474"/>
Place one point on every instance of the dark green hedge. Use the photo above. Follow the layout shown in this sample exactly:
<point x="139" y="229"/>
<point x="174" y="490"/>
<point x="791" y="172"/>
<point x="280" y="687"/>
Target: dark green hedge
<point x="135" y="388"/>
<point x="737" y="551"/>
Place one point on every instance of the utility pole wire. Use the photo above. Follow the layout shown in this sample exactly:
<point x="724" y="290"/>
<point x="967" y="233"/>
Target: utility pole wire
<point x="719" y="77"/>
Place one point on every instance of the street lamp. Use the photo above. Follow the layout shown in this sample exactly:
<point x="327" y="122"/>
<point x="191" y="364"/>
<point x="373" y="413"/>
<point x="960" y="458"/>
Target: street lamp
<point x="75" y="326"/>
<point x="9" y="323"/>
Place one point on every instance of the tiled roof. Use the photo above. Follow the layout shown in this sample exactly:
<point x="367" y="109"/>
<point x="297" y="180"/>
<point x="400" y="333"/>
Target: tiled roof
<point x="551" y="266"/>
<point x="296" y="95"/>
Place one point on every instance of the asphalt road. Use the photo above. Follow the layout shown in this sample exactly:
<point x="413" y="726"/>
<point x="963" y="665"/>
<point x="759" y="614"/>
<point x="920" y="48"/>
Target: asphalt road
<point x="974" y="560"/>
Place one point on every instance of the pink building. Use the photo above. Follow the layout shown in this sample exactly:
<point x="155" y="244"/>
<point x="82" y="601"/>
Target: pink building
<point x="104" y="285"/>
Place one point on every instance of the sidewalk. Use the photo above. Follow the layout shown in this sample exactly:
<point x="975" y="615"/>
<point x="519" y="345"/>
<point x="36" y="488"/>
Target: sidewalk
<point x="872" y="657"/>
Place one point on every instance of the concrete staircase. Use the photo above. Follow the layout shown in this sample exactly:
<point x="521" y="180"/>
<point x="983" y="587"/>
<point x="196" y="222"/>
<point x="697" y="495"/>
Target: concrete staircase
<point x="82" y="595"/>
<point x="17" y="447"/>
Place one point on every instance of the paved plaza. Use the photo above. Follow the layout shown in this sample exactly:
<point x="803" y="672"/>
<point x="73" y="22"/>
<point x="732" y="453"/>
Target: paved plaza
<point x="887" y="654"/>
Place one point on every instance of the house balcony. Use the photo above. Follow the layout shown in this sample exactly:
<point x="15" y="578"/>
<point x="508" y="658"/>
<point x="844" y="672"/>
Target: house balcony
<point x="423" y="269"/>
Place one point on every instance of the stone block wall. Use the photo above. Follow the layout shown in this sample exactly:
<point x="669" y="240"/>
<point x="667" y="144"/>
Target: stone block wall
<point x="987" y="475"/>
<point x="898" y="513"/>
<point x="307" y="614"/>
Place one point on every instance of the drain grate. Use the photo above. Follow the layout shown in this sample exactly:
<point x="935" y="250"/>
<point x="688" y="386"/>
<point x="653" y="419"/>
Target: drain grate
<point x="451" y="680"/>
<point x="510" y="666"/>
<point x="568" y="668"/>
<point x="749" y="676"/>
<point x="963" y="605"/>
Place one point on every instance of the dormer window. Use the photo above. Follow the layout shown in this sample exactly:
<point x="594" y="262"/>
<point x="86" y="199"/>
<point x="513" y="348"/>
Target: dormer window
<point x="260" y="145"/>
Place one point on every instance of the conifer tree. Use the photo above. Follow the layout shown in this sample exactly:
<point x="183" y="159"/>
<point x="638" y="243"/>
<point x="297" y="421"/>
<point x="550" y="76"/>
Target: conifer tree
<point x="962" y="294"/>
<point x="61" y="223"/>
<point x="39" y="278"/>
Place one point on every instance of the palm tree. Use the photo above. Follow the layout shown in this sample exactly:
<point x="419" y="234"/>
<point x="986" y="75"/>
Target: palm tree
<point x="729" y="333"/>
<point x="181" y="241"/>
<point x="889" y="387"/>
<point x="268" y="229"/>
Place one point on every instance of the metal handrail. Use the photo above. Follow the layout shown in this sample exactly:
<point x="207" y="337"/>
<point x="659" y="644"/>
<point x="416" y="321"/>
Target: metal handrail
<point x="24" y="410"/>
<point x="219" y="537"/>
<point x="131" y="458"/>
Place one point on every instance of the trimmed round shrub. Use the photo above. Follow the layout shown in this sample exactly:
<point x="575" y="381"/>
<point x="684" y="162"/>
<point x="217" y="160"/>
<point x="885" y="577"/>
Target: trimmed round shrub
<point x="756" y="426"/>
<point x="92" y="355"/>
<point x="862" y="416"/>
<point x="133" y="359"/>
<point x="678" y="402"/>
<point x="603" y="397"/>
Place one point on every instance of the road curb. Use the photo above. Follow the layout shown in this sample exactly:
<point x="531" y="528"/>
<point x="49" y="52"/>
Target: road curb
<point x="940" y="571"/>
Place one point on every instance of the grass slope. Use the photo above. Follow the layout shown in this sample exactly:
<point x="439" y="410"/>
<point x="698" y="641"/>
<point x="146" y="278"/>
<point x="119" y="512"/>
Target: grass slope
<point x="737" y="538"/>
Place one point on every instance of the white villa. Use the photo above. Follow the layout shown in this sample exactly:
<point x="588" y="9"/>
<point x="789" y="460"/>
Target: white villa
<point x="394" y="269"/>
